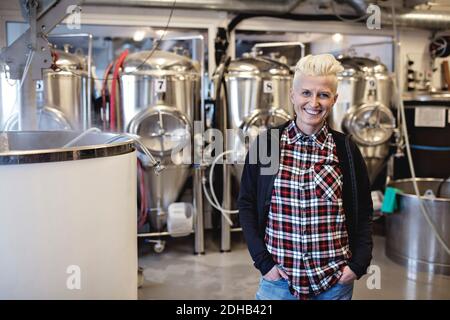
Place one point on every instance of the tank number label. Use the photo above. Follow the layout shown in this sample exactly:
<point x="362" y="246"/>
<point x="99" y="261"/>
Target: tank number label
<point x="267" y="86"/>
<point x="160" y="85"/>
<point x="39" y="86"/>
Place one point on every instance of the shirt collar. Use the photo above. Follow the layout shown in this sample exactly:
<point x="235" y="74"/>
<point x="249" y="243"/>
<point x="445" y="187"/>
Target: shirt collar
<point x="294" y="134"/>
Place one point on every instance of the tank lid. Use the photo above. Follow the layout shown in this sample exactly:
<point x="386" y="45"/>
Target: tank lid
<point x="146" y="61"/>
<point x="362" y="64"/>
<point x="25" y="147"/>
<point x="258" y="65"/>
<point x="69" y="61"/>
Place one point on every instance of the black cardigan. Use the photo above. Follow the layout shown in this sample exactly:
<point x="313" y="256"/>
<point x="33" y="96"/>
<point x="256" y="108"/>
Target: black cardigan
<point x="256" y="192"/>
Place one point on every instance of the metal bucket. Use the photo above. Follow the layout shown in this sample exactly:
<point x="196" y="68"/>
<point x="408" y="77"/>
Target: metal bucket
<point x="67" y="217"/>
<point x="410" y="241"/>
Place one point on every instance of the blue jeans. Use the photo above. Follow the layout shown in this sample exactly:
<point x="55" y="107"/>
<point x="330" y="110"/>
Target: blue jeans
<point x="279" y="290"/>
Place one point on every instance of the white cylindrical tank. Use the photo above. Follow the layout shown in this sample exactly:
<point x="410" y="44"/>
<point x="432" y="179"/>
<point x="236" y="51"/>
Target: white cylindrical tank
<point x="67" y="217"/>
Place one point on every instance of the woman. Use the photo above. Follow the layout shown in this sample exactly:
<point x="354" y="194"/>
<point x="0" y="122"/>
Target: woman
<point x="307" y="225"/>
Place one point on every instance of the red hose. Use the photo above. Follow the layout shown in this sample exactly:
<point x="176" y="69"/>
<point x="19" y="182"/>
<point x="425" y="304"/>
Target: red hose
<point x="55" y="57"/>
<point x="143" y="209"/>
<point x="104" y="91"/>
<point x="112" y="104"/>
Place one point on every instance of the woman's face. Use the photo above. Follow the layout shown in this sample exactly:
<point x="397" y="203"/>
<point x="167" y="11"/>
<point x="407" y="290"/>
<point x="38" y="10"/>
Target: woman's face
<point x="313" y="97"/>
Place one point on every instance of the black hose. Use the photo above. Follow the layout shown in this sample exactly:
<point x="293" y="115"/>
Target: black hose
<point x="287" y="16"/>
<point x="222" y="42"/>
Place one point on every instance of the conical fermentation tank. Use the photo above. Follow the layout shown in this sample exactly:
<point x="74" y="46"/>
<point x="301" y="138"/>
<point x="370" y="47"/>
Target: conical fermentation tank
<point x="160" y="100"/>
<point x="257" y="95"/>
<point x="62" y="96"/>
<point x="256" y="92"/>
<point x="363" y="109"/>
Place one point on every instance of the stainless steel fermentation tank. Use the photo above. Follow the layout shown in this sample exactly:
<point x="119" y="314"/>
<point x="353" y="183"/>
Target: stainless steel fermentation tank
<point x="363" y="109"/>
<point x="63" y="96"/>
<point x="256" y="98"/>
<point x="160" y="100"/>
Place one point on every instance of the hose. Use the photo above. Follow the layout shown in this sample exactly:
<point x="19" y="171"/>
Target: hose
<point x="429" y="148"/>
<point x="78" y="138"/>
<point x="423" y="209"/>
<point x="104" y="91"/>
<point x="333" y="7"/>
<point x="112" y="99"/>
<point x="144" y="201"/>
<point x="221" y="69"/>
<point x="215" y="202"/>
<point x="158" y="167"/>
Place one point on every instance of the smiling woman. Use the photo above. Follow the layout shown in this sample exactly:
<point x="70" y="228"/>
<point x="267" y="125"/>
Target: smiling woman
<point x="307" y="226"/>
<point x="314" y="91"/>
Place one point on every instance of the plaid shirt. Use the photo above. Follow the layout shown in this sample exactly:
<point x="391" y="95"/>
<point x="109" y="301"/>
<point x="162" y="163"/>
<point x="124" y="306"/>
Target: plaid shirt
<point x="306" y="232"/>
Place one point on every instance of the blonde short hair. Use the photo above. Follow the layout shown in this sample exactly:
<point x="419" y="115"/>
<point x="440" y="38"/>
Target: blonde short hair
<point x="318" y="65"/>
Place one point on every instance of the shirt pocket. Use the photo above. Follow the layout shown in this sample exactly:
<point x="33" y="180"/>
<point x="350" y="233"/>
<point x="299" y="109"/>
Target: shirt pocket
<point x="327" y="182"/>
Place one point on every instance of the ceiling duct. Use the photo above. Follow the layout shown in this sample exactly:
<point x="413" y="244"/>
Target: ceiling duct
<point x="253" y="6"/>
<point x="428" y="19"/>
<point x="406" y="16"/>
<point x="419" y="19"/>
<point x="359" y="6"/>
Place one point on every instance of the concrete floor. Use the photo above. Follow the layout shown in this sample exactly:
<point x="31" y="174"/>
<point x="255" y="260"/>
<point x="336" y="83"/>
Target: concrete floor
<point x="179" y="274"/>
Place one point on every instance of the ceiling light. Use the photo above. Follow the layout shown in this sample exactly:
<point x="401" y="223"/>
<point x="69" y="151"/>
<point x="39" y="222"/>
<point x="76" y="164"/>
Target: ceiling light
<point x="139" y="35"/>
<point x="337" y="37"/>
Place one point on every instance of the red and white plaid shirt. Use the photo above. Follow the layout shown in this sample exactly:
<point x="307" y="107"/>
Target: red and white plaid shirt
<point x="306" y="232"/>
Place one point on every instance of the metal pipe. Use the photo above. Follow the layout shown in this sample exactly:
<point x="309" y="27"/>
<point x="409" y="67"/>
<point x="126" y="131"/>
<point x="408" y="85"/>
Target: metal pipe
<point x="153" y="234"/>
<point x="280" y="6"/>
<point x="27" y="108"/>
<point x="199" y="245"/>
<point x="225" y="236"/>
<point x="88" y="122"/>
<point x="157" y="166"/>
<point x="418" y="19"/>
<point x="412" y="18"/>
<point x="371" y="44"/>
<point x="78" y="138"/>
<point x="359" y="6"/>
<point x="27" y="119"/>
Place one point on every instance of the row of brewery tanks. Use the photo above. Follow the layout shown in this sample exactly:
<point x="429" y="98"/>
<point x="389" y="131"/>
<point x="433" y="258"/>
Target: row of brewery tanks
<point x="158" y="96"/>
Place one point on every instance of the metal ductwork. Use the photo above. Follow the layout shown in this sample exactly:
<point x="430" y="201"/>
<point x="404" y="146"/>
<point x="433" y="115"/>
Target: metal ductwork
<point x="412" y="18"/>
<point x="430" y="19"/>
<point x="419" y="19"/>
<point x="253" y="6"/>
<point x="359" y="6"/>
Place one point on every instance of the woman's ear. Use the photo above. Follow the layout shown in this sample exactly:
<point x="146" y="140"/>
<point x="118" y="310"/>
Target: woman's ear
<point x="335" y="98"/>
<point x="291" y="96"/>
